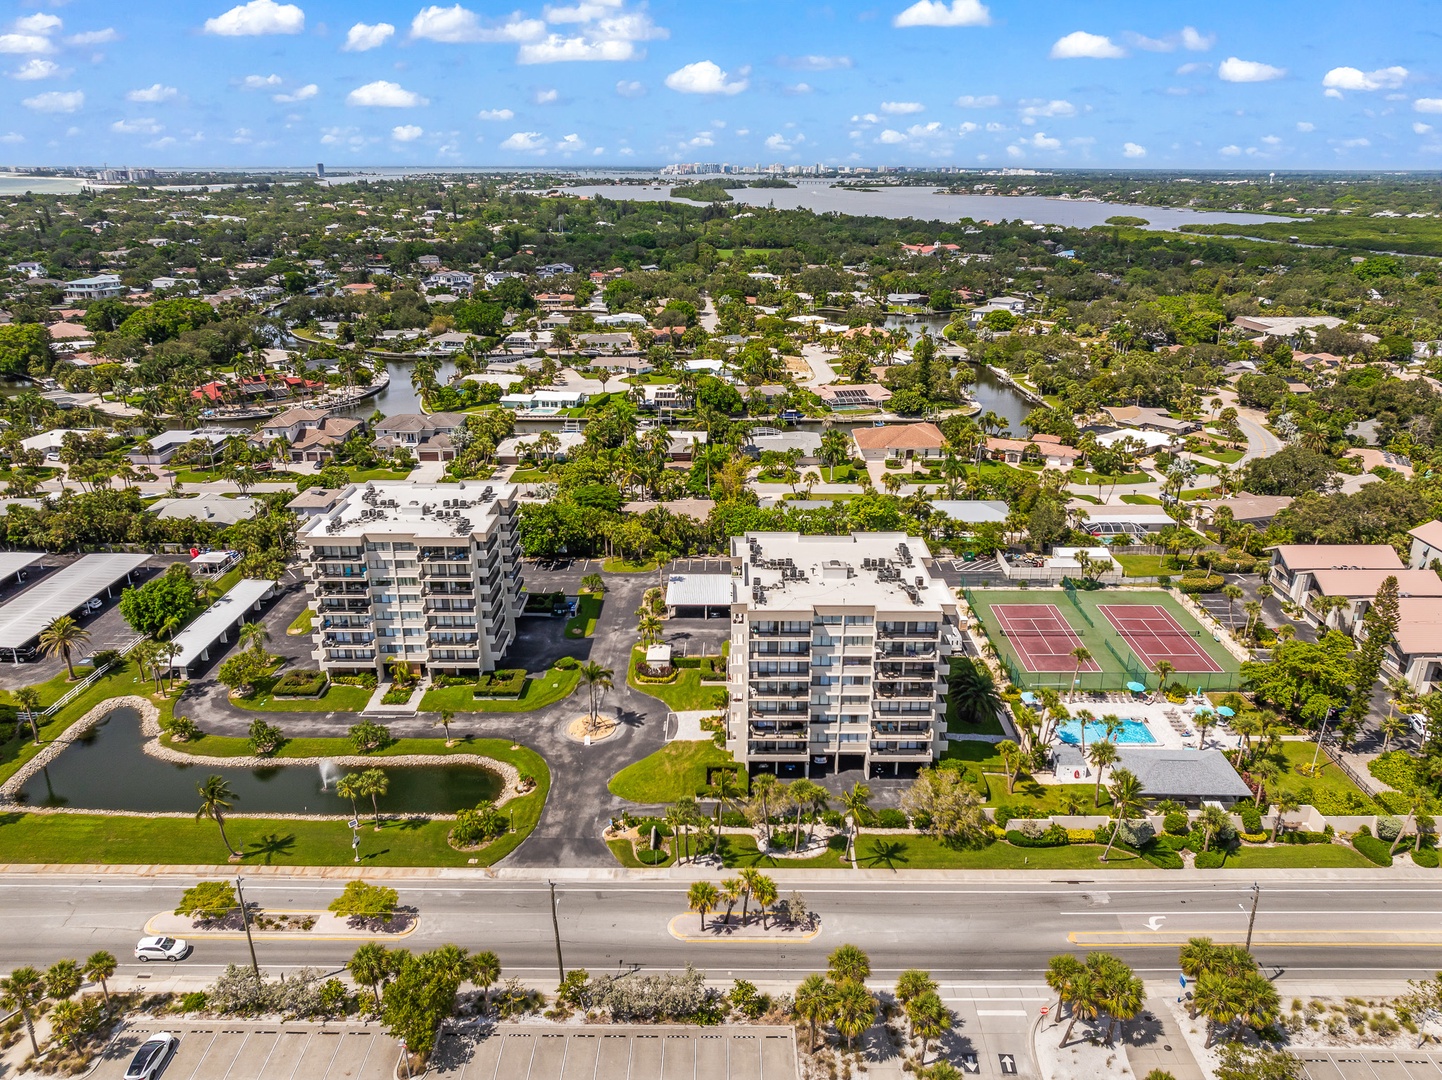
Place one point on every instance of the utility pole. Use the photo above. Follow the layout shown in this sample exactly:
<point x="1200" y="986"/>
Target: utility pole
<point x="1252" y="920"/>
<point x="1321" y="736"/>
<point x="245" y="921"/>
<point x="556" y="927"/>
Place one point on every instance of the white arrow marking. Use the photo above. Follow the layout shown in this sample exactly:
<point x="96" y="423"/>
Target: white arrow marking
<point x="1155" y="922"/>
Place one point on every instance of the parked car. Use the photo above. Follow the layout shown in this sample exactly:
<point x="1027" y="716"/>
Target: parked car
<point x="92" y="605"/>
<point x="1419" y="725"/>
<point x="161" y="948"/>
<point x="151" y="1057"/>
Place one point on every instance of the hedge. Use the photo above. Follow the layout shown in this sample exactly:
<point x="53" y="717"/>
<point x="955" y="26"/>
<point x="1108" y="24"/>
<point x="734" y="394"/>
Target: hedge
<point x="1199" y="583"/>
<point x="1209" y="860"/>
<point x="502" y="683"/>
<point x="1055" y="836"/>
<point x="1162" y="857"/>
<point x="299" y="684"/>
<point x="1426" y="856"/>
<point x="1372" y="849"/>
<point x="1288" y="836"/>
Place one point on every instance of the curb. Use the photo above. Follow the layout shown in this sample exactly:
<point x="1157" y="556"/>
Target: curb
<point x="673" y="928"/>
<point x="284" y="935"/>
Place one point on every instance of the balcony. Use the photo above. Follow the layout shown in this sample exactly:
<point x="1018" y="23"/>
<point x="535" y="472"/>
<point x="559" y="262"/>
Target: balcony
<point x="788" y="712"/>
<point x="901" y="750"/>
<point x="917" y="650"/>
<point x="778" y="749"/>
<point x="334" y="571"/>
<point x="914" y="691"/>
<point x="802" y="630"/>
<point x="335" y="605"/>
<point x="346" y="639"/>
<point x="891" y="727"/>
<point x="776" y="731"/>
<point x="779" y="690"/>
<point x="433" y="604"/>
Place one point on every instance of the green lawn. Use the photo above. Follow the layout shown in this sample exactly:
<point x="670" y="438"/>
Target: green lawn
<point x="1249" y="857"/>
<point x="210" y="476"/>
<point x="335" y="699"/>
<point x="676" y="770"/>
<point x="588" y="610"/>
<point x="1082" y="476"/>
<point x="844" y="474"/>
<point x="1330" y="781"/>
<point x="1144" y="565"/>
<point x="302" y="624"/>
<point x="360" y="476"/>
<point x="1223" y="455"/>
<point x="991" y="727"/>
<point x="547" y="688"/>
<point x="625" y="853"/>
<point x="618" y="565"/>
<point x="532" y="476"/>
<point x="1141" y="500"/>
<point x="742" y="851"/>
<point x="926" y="853"/>
<point x="687" y="693"/>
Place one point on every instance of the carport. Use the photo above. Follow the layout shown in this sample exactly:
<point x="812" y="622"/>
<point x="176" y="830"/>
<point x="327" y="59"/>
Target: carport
<point x="15" y="562"/>
<point x="215" y="623"/>
<point x="699" y="596"/>
<point x="22" y="619"/>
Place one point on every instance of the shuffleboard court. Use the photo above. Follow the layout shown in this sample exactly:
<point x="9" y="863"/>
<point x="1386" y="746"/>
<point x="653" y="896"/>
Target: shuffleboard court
<point x="1154" y="635"/>
<point x="1041" y="636"/>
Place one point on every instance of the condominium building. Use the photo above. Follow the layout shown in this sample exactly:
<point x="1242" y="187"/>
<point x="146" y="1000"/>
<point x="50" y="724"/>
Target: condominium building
<point x="840" y="648"/>
<point x="426" y="573"/>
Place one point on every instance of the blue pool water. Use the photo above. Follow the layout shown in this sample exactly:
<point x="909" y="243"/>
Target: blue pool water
<point x="1133" y="732"/>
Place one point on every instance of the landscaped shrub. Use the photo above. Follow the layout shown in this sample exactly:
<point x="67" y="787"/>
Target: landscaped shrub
<point x="1055" y="836"/>
<point x="397" y="695"/>
<point x="443" y="682"/>
<point x="1287" y="836"/>
<point x="650" y="857"/>
<point x="567" y="663"/>
<point x="299" y="684"/>
<point x="366" y="681"/>
<point x="1396" y="768"/>
<point x="1161" y="856"/>
<point x="1176" y="823"/>
<point x="1170" y="842"/>
<point x="645" y="825"/>
<point x="1388" y="828"/>
<point x="1209" y="860"/>
<point x="1080" y="836"/>
<point x="891" y="818"/>
<point x="476" y="826"/>
<point x="1199" y="581"/>
<point x="1372" y="849"/>
<point x="734" y="819"/>
<point x="1255" y="837"/>
<point x="1426" y="856"/>
<point x="502" y="683"/>
<point x="1136" y="834"/>
<point x="1251" y="819"/>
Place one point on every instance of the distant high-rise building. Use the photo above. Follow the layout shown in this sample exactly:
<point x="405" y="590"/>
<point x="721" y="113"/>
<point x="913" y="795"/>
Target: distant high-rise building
<point x="320" y="170"/>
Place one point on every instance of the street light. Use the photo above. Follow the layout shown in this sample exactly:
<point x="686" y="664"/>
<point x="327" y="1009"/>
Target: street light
<point x="355" y="837"/>
<point x="556" y="927"/>
<point x="1252" y="920"/>
<point x="245" y="921"/>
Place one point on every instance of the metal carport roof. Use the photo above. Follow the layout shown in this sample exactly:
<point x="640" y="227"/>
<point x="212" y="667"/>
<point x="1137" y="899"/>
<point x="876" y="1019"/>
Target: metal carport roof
<point x="22" y="619"/>
<point x="215" y="620"/>
<point x="698" y="590"/>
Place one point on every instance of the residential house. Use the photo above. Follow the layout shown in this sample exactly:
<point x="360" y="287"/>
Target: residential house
<point x="1415" y="653"/>
<point x="100" y="287"/>
<point x="426" y="435"/>
<point x="450" y="281"/>
<point x="214" y="507"/>
<point x="1283" y="326"/>
<point x="1148" y="419"/>
<point x="312" y="502"/>
<point x="1049" y="450"/>
<point x="1359" y="588"/>
<point x="164" y="444"/>
<point x="907" y="442"/>
<point x="1295" y="565"/>
<point x="763" y="440"/>
<point x="664" y="396"/>
<point x="861" y="396"/>
<point x="1426" y="545"/>
<point x="1246" y="509"/>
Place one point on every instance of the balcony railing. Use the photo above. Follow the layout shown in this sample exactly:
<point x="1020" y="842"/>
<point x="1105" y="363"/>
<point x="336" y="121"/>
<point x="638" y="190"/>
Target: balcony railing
<point x="778" y="749"/>
<point x="893" y="750"/>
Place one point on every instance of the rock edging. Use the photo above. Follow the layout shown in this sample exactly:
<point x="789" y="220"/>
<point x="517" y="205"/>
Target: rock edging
<point x="149" y="714"/>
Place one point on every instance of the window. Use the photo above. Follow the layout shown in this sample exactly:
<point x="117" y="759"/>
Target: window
<point x="858" y="620"/>
<point x="857" y="640"/>
<point x="828" y="620"/>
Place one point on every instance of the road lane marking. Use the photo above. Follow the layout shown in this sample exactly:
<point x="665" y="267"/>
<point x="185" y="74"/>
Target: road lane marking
<point x="1002" y="1012"/>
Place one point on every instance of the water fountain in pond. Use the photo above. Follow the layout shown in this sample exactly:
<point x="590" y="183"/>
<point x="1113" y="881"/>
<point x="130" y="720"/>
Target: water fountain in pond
<point x="330" y="772"/>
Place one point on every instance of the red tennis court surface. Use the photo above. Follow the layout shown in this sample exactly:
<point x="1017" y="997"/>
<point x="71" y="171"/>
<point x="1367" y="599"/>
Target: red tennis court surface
<point x="1154" y="635"/>
<point x="1042" y="638"/>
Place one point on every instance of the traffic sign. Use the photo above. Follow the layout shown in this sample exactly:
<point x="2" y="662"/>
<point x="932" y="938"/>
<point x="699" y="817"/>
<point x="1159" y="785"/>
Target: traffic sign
<point x="1043" y="1010"/>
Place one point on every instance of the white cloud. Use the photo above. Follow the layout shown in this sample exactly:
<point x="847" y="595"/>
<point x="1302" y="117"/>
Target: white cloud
<point x="1353" y="144"/>
<point x="1042" y="141"/>
<point x="558" y="49"/>
<point x="630" y="88"/>
<point x="1350" y="78"/>
<point x="256" y="18"/>
<point x="35" y="68"/>
<point x="1428" y="105"/>
<point x="304" y="93"/>
<point x="1332" y="92"/>
<point x="459" y="26"/>
<point x="1034" y="110"/>
<point x="1306" y="126"/>
<point x="39" y="23"/>
<point x="154" y="94"/>
<point x="363" y="37"/>
<point x="405" y="133"/>
<point x="1230" y="151"/>
<point x="495" y="114"/>
<point x="1272" y="140"/>
<point x="704" y="77"/>
<point x="814" y="63"/>
<point x="779" y="143"/>
<point x="139" y="126"/>
<point x="1195" y="41"/>
<point x="546" y="97"/>
<point x="902" y="108"/>
<point x="384" y="95"/>
<point x="570" y="144"/>
<point x="1081" y="45"/>
<point x="56" y="101"/>
<point x="975" y="101"/>
<point x="797" y="90"/>
<point x="93" y="37"/>
<point x="25" y="43"/>
<point x="261" y="82"/>
<point x="161" y="144"/>
<point x="526" y="141"/>
<point x="1419" y="128"/>
<point x="1248" y="71"/>
<point x="701" y="139"/>
<point x="11" y="138"/>
<point x="1133" y="150"/>
<point x="1194" y="68"/>
<point x="891" y="137"/>
<point x="940" y="13"/>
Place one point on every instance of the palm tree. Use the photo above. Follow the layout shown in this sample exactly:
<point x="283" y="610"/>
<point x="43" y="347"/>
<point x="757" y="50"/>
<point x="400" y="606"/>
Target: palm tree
<point x="1418" y="805"/>
<point x="763" y="789"/>
<point x="1126" y="793"/>
<point x="1285" y="803"/>
<point x="1103" y="754"/>
<point x="650" y="628"/>
<point x="1211" y="823"/>
<point x="215" y="800"/>
<point x="445" y="722"/>
<point x="593" y="583"/>
<point x="1061" y="974"/>
<point x="1163" y="669"/>
<point x="61" y="638"/>
<point x="1264" y="772"/>
<point x="1217" y="999"/>
<point x="731" y="889"/>
<point x="815" y="1002"/>
<point x="350" y="787"/>
<point x="23" y="990"/>
<point x="855" y="1010"/>
<point x="1391" y="727"/>
<point x="857" y="804"/>
<point x="374" y="783"/>
<point x="764" y="892"/>
<point x="98" y="968"/>
<point x="1085" y="1000"/>
<point x="597" y="680"/>
<point x="1080" y="655"/>
<point x="1233" y="593"/>
<point x="28" y="699"/>
<point x="1122" y="994"/>
<point x="1010" y="761"/>
<point x="748" y="890"/>
<point x="484" y="970"/>
<point x="928" y="1018"/>
<point x="68" y="1020"/>
<point x="848" y="963"/>
<point x="702" y="896"/>
<point x="253" y="636"/>
<point x="723" y="790"/>
<point x="369" y="966"/>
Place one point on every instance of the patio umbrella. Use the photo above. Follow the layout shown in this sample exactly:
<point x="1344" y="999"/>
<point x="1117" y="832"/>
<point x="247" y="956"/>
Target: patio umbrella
<point x="1136" y="688"/>
<point x="1028" y="698"/>
<point x="1224" y="711"/>
<point x="1203" y="708"/>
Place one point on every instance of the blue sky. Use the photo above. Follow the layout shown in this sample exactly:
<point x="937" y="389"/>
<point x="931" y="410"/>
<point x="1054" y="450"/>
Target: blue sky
<point x="1163" y="84"/>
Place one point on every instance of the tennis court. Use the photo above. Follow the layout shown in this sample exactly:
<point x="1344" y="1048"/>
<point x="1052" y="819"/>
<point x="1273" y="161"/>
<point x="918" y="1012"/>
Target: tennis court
<point x="1153" y="634"/>
<point x="1041" y="636"/>
<point x="1126" y="631"/>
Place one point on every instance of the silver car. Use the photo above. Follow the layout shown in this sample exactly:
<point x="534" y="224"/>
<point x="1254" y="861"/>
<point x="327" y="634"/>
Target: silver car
<point x="154" y="1052"/>
<point x="161" y="948"/>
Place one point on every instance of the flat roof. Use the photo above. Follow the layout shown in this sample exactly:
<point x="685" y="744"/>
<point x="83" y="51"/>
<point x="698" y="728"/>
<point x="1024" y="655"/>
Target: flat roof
<point x="704" y="590"/>
<point x="12" y="562"/>
<point x="218" y="618"/>
<point x="421" y="511"/>
<point x="791" y="571"/>
<point x="32" y="611"/>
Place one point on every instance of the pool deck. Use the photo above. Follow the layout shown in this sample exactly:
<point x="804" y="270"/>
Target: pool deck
<point x="1158" y="723"/>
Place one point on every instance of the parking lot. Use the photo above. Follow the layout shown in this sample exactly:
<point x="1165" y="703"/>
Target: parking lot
<point x="260" y="1051"/>
<point x="520" y="1052"/>
<point x="1362" y="1063"/>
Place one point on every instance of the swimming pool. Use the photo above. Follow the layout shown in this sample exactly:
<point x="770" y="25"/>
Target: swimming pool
<point x="1133" y="732"/>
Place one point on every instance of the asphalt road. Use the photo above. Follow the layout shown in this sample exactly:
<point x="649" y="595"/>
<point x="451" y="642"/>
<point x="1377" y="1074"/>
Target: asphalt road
<point x="1325" y="929"/>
